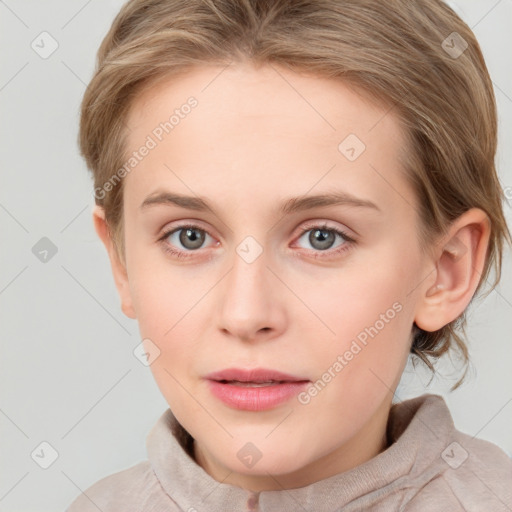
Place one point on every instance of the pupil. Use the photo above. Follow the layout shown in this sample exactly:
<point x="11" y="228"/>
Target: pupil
<point x="321" y="239"/>
<point x="191" y="238"/>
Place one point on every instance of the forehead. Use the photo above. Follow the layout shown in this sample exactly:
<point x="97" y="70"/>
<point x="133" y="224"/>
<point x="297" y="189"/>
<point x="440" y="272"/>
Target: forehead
<point x="268" y="125"/>
<point x="242" y="92"/>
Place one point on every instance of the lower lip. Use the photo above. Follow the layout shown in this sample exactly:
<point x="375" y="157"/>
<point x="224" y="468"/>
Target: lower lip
<point x="255" y="398"/>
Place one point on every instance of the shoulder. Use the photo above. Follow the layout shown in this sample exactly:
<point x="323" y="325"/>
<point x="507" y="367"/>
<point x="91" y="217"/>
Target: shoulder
<point x="479" y="471"/>
<point x="133" y="489"/>
<point x="476" y="475"/>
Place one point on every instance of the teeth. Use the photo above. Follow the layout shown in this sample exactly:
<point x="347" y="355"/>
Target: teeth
<point x="254" y="384"/>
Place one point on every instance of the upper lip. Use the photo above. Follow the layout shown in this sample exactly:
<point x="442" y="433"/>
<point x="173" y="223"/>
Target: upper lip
<point x="253" y="375"/>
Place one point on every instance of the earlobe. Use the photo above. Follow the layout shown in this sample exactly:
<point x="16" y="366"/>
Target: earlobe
<point x="458" y="268"/>
<point x="118" y="267"/>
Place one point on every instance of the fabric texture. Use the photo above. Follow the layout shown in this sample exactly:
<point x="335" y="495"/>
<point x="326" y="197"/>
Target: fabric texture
<point x="428" y="467"/>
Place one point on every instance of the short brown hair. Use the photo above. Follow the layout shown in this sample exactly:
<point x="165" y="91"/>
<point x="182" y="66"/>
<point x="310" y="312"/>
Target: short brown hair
<point x="392" y="52"/>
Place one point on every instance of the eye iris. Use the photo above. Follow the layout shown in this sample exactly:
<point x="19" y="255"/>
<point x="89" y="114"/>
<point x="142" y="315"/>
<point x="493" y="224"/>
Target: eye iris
<point x="190" y="239"/>
<point x="323" y="237"/>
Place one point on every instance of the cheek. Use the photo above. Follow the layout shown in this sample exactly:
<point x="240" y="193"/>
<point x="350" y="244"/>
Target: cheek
<point x="164" y="294"/>
<point x="359" y="298"/>
<point x="168" y="307"/>
<point x="171" y="315"/>
<point x="370" y="311"/>
<point x="167" y="313"/>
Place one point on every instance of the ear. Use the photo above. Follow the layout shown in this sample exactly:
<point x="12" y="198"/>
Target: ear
<point x="459" y="261"/>
<point x="118" y="267"/>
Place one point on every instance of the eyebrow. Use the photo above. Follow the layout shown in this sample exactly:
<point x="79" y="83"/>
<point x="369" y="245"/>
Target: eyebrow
<point x="291" y="205"/>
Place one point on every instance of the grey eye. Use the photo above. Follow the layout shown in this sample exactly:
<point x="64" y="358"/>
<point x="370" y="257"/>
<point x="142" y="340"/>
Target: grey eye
<point x="322" y="239"/>
<point x="188" y="237"/>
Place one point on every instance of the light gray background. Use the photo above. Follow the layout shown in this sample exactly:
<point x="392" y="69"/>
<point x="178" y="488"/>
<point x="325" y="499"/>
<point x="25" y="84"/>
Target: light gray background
<point x="68" y="374"/>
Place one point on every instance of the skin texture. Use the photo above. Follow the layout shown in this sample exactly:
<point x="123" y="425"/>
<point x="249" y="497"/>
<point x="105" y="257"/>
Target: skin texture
<point x="258" y="137"/>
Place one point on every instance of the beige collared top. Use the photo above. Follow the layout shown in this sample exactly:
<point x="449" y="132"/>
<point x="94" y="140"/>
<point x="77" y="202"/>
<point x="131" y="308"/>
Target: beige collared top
<point x="429" y="467"/>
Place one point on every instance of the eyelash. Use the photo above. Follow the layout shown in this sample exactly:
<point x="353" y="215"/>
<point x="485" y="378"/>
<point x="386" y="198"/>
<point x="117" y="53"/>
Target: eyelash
<point x="349" y="241"/>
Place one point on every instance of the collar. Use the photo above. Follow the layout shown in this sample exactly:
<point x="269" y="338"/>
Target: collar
<point x="418" y="430"/>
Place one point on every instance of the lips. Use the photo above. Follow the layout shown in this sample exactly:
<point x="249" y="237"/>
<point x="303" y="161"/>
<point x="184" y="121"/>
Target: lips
<point x="254" y="390"/>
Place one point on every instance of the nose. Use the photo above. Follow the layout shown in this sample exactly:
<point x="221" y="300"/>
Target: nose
<point x="251" y="306"/>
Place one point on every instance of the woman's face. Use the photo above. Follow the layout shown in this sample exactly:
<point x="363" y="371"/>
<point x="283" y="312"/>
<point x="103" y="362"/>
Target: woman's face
<point x="277" y="298"/>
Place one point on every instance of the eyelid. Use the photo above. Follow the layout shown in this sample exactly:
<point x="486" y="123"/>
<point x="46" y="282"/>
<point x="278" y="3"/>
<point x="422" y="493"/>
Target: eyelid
<point x="193" y="223"/>
<point x="183" y="224"/>
<point x="322" y="224"/>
